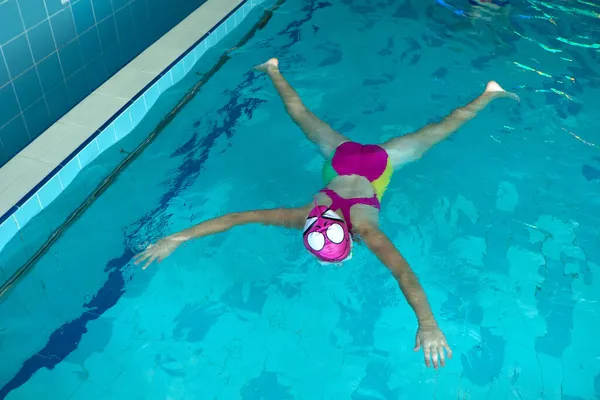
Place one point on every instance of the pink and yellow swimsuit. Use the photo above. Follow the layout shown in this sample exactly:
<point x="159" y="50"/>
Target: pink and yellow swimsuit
<point x="367" y="160"/>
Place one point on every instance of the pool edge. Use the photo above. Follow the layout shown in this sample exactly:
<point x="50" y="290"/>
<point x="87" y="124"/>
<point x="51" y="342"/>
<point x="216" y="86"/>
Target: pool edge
<point x="49" y="183"/>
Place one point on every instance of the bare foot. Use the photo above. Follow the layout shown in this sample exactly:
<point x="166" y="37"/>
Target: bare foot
<point x="494" y="88"/>
<point x="271" y="63"/>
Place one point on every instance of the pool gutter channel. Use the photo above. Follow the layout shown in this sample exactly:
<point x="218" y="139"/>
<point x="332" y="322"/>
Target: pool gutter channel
<point x="190" y="94"/>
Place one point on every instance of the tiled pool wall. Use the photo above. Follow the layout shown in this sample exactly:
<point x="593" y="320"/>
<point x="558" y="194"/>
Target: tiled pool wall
<point x="119" y="126"/>
<point x="53" y="53"/>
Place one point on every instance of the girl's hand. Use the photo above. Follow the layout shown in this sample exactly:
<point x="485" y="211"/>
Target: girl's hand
<point x="431" y="338"/>
<point x="158" y="251"/>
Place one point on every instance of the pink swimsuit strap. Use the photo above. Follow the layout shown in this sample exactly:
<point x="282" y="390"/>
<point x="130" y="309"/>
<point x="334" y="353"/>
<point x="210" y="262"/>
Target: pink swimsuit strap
<point x="344" y="205"/>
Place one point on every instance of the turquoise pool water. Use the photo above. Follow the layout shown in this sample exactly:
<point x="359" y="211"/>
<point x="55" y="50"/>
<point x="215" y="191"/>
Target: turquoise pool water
<point x="500" y="223"/>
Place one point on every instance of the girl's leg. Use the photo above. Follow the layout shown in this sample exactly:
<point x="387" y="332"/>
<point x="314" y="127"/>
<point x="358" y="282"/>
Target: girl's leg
<point x="315" y="130"/>
<point x="412" y="146"/>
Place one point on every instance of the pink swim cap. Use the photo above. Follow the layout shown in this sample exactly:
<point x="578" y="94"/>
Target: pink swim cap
<point x="326" y="235"/>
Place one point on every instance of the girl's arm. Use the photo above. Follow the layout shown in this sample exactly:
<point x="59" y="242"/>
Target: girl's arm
<point x="287" y="217"/>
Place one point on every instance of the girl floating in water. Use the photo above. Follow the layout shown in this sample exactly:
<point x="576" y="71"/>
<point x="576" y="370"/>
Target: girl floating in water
<point x="356" y="177"/>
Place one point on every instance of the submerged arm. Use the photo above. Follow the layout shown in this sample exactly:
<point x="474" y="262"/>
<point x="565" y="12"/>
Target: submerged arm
<point x="429" y="335"/>
<point x="387" y="253"/>
<point x="287" y="217"/>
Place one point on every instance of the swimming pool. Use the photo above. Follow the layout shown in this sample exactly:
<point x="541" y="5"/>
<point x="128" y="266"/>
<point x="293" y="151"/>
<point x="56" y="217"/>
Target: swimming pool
<point x="499" y="222"/>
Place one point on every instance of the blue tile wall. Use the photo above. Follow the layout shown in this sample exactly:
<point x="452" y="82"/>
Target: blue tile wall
<point x="14" y="134"/>
<point x="123" y="125"/>
<point x="178" y="72"/>
<point x="151" y="96"/>
<point x="63" y="27"/>
<point x="50" y="72"/>
<point x="12" y="25"/>
<point x="200" y="50"/>
<point x="52" y="55"/>
<point x="38" y="117"/>
<point x="69" y="171"/>
<point x="50" y="191"/>
<point x="90" y="45"/>
<point x="10" y="106"/>
<point x="163" y="83"/>
<point x="32" y="11"/>
<point x="28" y="88"/>
<point x="53" y="6"/>
<point x="124" y="24"/>
<point x="41" y="41"/>
<point x="88" y="154"/>
<point x="78" y="86"/>
<point x="95" y="73"/>
<point x="4" y="77"/>
<point x="58" y="100"/>
<point x="137" y="111"/>
<point x="102" y="9"/>
<point x="7" y="230"/>
<point x="17" y="55"/>
<point x="70" y="58"/>
<point x="189" y="61"/>
<point x="106" y="139"/>
<point x="83" y="13"/>
<point x="27" y="211"/>
<point x="108" y="32"/>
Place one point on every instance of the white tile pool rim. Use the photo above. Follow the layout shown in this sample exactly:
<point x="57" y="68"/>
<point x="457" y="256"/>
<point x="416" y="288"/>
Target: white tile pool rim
<point x="38" y="174"/>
